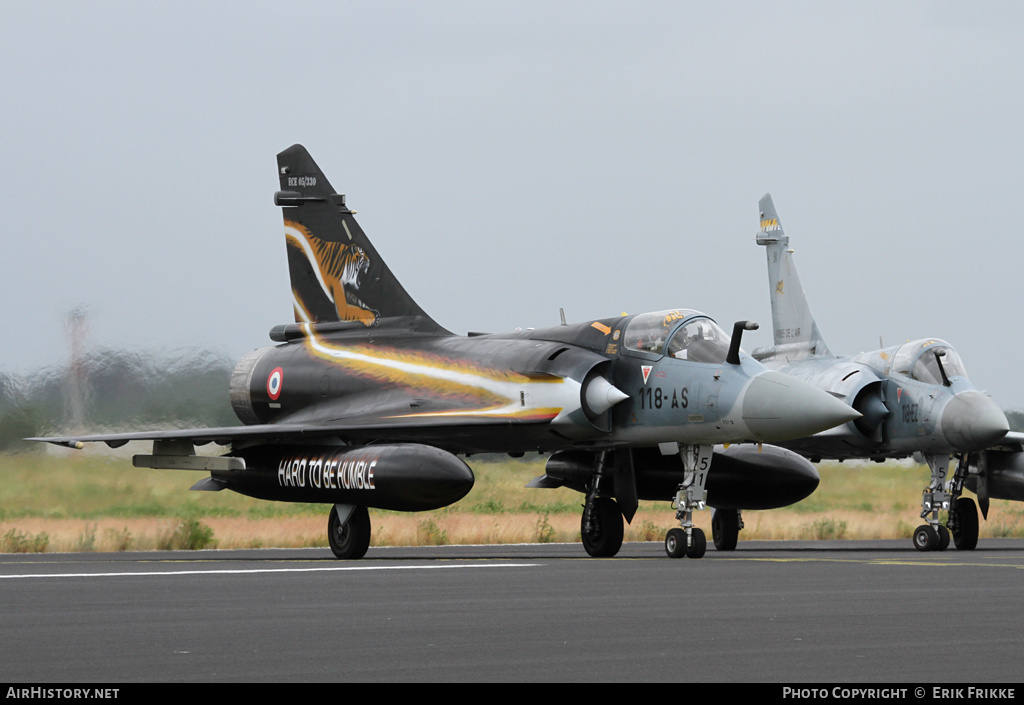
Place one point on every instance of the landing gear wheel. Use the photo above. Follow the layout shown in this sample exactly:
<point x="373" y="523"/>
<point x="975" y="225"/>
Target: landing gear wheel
<point x="349" y="541"/>
<point x="943" y="538"/>
<point x="675" y="543"/>
<point x="965" y="535"/>
<point x="605" y="536"/>
<point x="698" y="546"/>
<point x="725" y="529"/>
<point x="926" y="538"/>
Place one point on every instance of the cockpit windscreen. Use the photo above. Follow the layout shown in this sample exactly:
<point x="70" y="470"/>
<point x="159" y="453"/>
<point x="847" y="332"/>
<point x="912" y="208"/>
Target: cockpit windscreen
<point x="921" y="359"/>
<point x="648" y="332"/>
<point x="699" y="340"/>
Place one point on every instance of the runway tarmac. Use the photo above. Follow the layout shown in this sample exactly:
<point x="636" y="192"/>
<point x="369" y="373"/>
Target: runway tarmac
<point x="769" y="612"/>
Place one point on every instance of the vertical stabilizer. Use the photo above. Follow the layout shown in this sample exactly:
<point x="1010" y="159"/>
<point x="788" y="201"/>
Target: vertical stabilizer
<point x="336" y="273"/>
<point x="794" y="326"/>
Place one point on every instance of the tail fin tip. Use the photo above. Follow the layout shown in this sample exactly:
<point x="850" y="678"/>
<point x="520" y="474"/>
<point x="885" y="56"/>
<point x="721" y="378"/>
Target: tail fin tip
<point x="336" y="273"/>
<point x="769" y="216"/>
<point x="794" y="325"/>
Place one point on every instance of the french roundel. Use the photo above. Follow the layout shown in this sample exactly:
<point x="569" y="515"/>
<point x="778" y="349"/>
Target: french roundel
<point x="274" y="382"/>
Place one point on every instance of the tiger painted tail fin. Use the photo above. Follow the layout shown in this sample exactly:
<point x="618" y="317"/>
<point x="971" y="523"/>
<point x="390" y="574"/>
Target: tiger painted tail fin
<point x="336" y="273"/>
<point x="796" y="333"/>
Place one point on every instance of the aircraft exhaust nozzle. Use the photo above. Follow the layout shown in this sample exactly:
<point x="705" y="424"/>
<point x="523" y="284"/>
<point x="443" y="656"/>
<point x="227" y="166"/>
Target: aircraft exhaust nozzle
<point x="777" y="407"/>
<point x="602" y="395"/>
<point x="972" y="421"/>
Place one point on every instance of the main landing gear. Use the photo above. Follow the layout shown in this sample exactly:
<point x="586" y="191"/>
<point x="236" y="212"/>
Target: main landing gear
<point x="602" y="530"/>
<point x="348" y="531"/>
<point x="963" y="514"/>
<point x="601" y="525"/>
<point x="725" y="528"/>
<point x="688" y="540"/>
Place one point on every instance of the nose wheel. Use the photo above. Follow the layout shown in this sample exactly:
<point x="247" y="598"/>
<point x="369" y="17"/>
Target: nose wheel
<point x="678" y="545"/>
<point x="931" y="538"/>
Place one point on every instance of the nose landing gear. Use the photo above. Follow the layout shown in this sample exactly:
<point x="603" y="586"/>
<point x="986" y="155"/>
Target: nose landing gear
<point x="963" y="514"/>
<point x="688" y="540"/>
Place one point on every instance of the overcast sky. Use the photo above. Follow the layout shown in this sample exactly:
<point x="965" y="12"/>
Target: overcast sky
<point x="511" y="158"/>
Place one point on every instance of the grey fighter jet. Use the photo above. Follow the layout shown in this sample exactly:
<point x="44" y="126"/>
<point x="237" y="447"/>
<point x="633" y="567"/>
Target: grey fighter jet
<point x="365" y="401"/>
<point x="914" y="399"/>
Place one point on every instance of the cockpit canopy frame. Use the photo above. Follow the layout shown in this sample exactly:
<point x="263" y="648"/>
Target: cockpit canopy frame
<point x="928" y="360"/>
<point x="684" y="334"/>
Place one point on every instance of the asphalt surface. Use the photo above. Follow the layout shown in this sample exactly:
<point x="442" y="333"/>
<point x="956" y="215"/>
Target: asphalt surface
<point x="768" y="612"/>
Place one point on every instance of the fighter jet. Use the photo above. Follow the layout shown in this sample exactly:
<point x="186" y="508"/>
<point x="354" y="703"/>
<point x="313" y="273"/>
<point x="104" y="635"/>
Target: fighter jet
<point x="366" y="402"/>
<point x="915" y="399"/>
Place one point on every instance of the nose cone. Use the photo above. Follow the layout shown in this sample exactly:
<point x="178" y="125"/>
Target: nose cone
<point x="972" y="421"/>
<point x="777" y="407"/>
<point x="601" y="395"/>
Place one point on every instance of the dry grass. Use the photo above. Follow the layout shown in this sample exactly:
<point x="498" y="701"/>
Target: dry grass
<point x="73" y="502"/>
<point x="393" y="529"/>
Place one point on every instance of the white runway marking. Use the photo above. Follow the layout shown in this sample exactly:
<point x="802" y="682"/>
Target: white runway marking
<point x="269" y="570"/>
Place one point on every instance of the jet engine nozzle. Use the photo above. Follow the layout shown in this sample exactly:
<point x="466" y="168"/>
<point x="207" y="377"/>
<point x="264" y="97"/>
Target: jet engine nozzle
<point x="777" y="407"/>
<point x="972" y="421"/>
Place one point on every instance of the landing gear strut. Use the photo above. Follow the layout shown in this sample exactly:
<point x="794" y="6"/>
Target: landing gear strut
<point x="963" y="516"/>
<point x="601" y="524"/>
<point x="689" y="541"/>
<point x="933" y="536"/>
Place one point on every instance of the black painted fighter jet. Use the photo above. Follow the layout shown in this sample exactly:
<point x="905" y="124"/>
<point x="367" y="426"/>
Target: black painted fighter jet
<point x="365" y="401"/>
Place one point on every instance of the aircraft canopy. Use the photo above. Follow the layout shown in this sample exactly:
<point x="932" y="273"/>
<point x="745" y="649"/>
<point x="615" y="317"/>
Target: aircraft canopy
<point x="682" y="333"/>
<point x="920" y="359"/>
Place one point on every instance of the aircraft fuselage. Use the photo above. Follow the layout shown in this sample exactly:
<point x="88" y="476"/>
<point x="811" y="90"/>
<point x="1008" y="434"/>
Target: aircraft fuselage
<point x="900" y="415"/>
<point x="578" y="381"/>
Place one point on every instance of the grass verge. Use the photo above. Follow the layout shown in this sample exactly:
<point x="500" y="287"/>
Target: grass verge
<point x="73" y="501"/>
